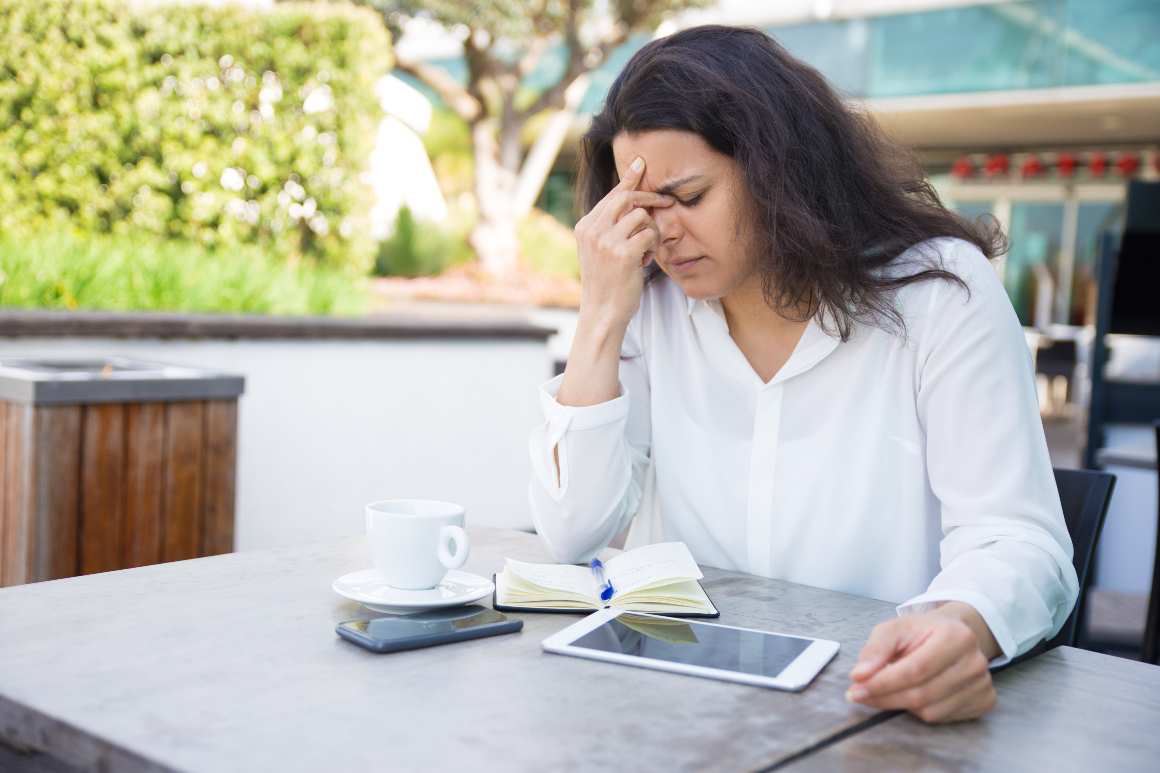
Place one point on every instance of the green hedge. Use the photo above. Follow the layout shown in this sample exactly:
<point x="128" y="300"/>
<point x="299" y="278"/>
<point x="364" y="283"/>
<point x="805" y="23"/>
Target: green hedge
<point x="140" y="273"/>
<point x="220" y="126"/>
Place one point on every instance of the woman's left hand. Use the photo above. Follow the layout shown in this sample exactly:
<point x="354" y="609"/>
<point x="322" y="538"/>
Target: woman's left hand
<point x="934" y="665"/>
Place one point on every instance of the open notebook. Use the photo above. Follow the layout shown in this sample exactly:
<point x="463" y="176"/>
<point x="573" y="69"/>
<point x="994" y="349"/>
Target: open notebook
<point x="661" y="578"/>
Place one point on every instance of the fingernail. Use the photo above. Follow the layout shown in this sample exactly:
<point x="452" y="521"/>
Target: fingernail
<point x="637" y="164"/>
<point x="856" y="693"/>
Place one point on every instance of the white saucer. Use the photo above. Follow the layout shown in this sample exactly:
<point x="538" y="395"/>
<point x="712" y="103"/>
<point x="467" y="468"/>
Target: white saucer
<point x="367" y="588"/>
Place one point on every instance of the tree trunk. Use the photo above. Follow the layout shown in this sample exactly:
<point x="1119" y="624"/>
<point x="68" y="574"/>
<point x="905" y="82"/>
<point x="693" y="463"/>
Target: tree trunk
<point x="494" y="237"/>
<point x="547" y="146"/>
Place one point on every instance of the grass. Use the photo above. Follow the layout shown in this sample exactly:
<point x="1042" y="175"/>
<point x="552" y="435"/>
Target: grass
<point x="64" y="271"/>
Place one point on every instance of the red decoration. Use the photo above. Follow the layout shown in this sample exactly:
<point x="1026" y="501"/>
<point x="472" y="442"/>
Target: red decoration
<point x="997" y="164"/>
<point x="1098" y="164"/>
<point x="1032" y="166"/>
<point x="1156" y="162"/>
<point x="1128" y="164"/>
<point x="1066" y="164"/>
<point x="963" y="168"/>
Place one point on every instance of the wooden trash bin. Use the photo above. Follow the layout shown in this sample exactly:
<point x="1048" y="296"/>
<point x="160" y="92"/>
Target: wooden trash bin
<point x="110" y="464"/>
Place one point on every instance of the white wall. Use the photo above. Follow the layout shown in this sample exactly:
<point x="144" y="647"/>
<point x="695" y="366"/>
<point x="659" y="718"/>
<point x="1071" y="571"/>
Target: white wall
<point x="326" y="426"/>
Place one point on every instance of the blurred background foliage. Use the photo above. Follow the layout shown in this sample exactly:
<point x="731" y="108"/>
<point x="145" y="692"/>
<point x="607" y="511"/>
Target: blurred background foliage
<point x="220" y="127"/>
<point x="61" y="270"/>
<point x="213" y="159"/>
<point x="416" y="248"/>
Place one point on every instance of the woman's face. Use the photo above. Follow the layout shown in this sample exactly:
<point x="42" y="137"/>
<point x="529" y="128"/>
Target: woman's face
<point x="705" y="236"/>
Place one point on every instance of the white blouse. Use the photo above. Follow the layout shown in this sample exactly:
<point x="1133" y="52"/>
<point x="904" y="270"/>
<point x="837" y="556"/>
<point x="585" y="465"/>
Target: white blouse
<point x="911" y="469"/>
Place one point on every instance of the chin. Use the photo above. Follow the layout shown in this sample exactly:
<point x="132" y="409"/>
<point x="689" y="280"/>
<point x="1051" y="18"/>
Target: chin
<point x="700" y="295"/>
<point x="698" y="288"/>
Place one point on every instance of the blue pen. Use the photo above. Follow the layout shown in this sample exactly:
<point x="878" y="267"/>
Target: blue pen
<point x="606" y="589"/>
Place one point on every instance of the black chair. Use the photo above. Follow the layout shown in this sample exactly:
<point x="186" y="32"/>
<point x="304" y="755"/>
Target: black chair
<point x="1150" y="647"/>
<point x="1084" y="495"/>
<point x="1057" y="358"/>
<point x="1127" y="271"/>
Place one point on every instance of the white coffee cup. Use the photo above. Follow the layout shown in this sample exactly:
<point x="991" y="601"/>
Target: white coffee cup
<point x="411" y="541"/>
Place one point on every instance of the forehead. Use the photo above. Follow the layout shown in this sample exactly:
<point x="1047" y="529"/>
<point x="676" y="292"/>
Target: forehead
<point x="668" y="155"/>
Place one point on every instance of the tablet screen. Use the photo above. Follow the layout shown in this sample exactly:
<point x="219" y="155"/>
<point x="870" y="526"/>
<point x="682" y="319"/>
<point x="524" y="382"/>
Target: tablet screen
<point x="698" y="644"/>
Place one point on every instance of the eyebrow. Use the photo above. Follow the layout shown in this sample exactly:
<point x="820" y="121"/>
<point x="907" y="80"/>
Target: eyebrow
<point x="668" y="188"/>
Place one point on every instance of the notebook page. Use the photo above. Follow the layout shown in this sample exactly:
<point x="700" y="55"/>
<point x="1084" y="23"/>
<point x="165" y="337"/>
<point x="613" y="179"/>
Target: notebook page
<point x="678" y="593"/>
<point x="651" y="564"/>
<point x="565" y="577"/>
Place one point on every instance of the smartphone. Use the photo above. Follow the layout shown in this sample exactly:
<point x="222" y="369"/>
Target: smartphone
<point x="392" y="633"/>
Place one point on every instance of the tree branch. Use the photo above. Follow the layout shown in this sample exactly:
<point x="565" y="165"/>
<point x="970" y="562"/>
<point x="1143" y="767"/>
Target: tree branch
<point x="456" y="96"/>
<point x="544" y="150"/>
<point x="482" y="70"/>
<point x="532" y="56"/>
<point x="580" y="61"/>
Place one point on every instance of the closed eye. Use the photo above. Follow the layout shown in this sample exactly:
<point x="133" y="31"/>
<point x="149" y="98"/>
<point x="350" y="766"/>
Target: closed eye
<point x="692" y="200"/>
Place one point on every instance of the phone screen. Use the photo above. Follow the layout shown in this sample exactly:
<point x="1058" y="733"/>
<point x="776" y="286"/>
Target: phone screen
<point x="698" y="644"/>
<point x="431" y="623"/>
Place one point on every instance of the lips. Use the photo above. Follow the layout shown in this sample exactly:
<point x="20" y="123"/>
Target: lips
<point x="683" y="265"/>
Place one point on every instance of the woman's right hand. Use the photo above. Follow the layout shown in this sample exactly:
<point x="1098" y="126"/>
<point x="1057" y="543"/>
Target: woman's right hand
<point x="615" y="242"/>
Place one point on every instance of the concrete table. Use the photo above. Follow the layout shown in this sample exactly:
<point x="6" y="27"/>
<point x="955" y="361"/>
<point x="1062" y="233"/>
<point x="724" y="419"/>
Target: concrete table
<point x="1065" y="710"/>
<point x="230" y="663"/>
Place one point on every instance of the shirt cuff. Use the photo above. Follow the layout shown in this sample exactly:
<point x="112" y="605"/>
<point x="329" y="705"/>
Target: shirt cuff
<point x="999" y="628"/>
<point x="579" y="417"/>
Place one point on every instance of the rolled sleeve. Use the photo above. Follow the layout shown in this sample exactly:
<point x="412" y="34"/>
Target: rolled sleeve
<point x="603" y="454"/>
<point x="559" y="420"/>
<point x="560" y="417"/>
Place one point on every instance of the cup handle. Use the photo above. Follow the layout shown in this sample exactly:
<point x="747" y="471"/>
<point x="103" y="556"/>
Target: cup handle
<point x="453" y="534"/>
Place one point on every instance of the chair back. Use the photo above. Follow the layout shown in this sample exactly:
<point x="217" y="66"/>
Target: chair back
<point x="1150" y="649"/>
<point x="1084" y="495"/>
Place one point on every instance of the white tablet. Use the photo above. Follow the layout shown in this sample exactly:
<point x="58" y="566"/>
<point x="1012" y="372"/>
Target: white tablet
<point x="693" y="647"/>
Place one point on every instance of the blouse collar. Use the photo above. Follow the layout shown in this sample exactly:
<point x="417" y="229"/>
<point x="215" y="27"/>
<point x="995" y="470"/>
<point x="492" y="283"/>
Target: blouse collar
<point x="814" y="345"/>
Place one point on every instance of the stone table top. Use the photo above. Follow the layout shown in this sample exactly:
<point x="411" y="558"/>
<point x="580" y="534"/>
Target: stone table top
<point x="1065" y="710"/>
<point x="231" y="663"/>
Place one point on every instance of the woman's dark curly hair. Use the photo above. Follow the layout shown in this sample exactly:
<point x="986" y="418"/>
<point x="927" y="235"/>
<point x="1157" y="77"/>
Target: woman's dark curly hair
<point x="836" y="202"/>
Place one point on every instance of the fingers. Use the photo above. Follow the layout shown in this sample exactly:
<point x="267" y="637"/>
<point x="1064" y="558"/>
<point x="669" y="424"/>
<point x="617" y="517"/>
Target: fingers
<point x="634" y="221"/>
<point x="970" y="703"/>
<point x="612" y="205"/>
<point x="641" y="244"/>
<point x="632" y="177"/>
<point x="621" y="226"/>
<point x="940" y="650"/>
<point x="965" y="674"/>
<point x="885" y="640"/>
<point x="628" y="240"/>
<point x="627" y="200"/>
<point x="624" y="195"/>
<point x="931" y="668"/>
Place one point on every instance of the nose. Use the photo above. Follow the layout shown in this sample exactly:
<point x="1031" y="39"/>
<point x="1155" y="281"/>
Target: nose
<point x="668" y="224"/>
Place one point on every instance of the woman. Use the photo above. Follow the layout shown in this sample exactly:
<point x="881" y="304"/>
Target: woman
<point x="792" y="358"/>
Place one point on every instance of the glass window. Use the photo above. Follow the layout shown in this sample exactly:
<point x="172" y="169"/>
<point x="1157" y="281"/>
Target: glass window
<point x="975" y="48"/>
<point x="837" y="49"/>
<point x="1031" y="273"/>
<point x="973" y="210"/>
<point x="1112" y="41"/>
<point x="1094" y="218"/>
<point x="1029" y="44"/>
